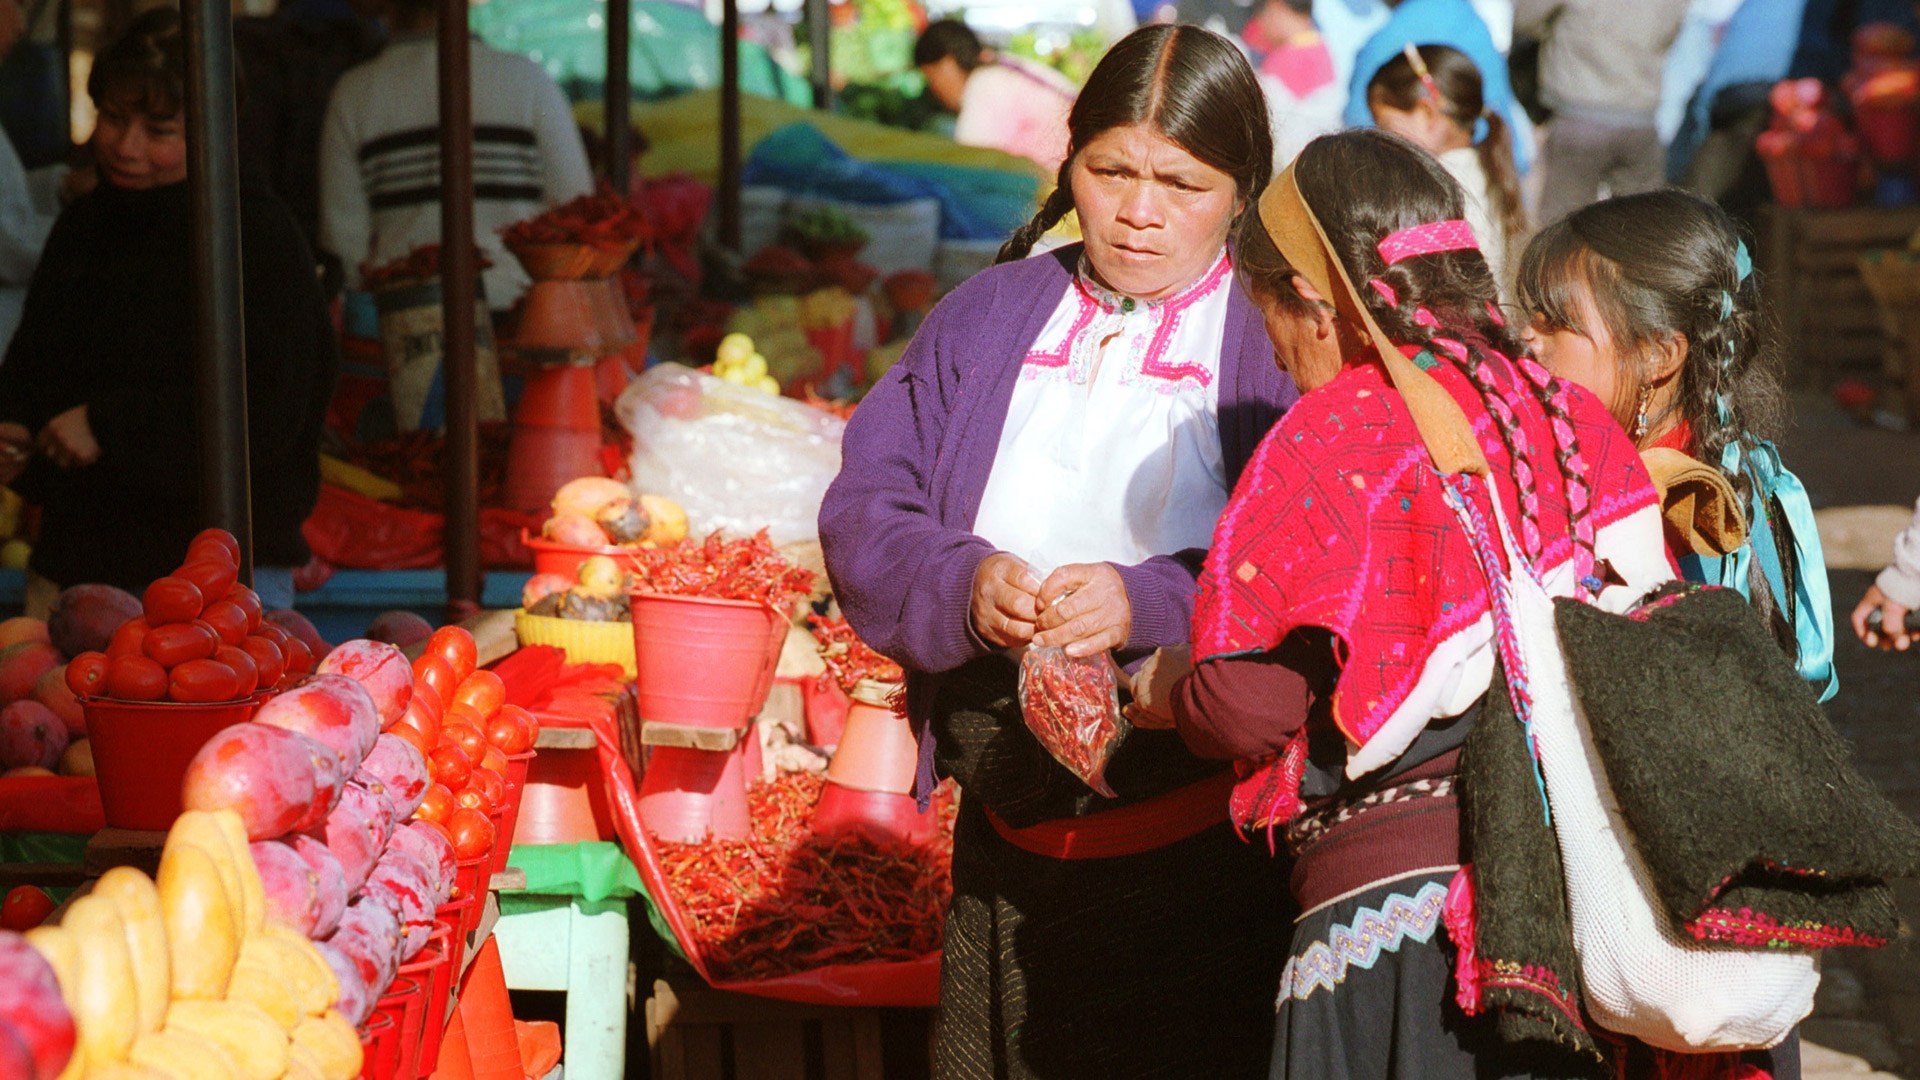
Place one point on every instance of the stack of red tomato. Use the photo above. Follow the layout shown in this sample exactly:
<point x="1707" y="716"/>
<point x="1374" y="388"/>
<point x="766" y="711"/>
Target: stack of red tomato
<point x="460" y="720"/>
<point x="199" y="638"/>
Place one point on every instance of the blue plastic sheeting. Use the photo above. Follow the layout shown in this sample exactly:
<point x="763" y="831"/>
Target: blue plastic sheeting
<point x="675" y="49"/>
<point x="342" y="608"/>
<point x="975" y="204"/>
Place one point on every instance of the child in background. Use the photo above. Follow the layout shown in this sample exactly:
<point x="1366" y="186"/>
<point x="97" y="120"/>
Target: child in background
<point x="1650" y="302"/>
<point x="1432" y="97"/>
<point x="1894" y="594"/>
<point x="1296" y="72"/>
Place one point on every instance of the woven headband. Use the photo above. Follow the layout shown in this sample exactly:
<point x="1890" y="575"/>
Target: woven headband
<point x="1430" y="239"/>
<point x="1301" y="240"/>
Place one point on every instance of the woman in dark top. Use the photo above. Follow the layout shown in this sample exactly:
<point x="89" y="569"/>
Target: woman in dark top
<point x="97" y="393"/>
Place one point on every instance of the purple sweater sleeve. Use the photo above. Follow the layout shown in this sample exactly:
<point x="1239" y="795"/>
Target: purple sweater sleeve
<point x="904" y="580"/>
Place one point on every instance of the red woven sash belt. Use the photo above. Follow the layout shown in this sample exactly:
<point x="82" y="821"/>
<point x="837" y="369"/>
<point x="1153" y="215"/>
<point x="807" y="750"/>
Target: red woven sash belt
<point x="1127" y="830"/>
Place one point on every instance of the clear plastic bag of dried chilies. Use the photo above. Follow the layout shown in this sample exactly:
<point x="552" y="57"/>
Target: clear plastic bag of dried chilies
<point x="1072" y="705"/>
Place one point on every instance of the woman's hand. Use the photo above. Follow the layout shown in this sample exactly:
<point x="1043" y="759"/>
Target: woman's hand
<point x="1084" y="609"/>
<point x="1006" y="600"/>
<point x="68" y="439"/>
<point x="16" y="449"/>
<point x="1153" y="685"/>
<point x="1893" y="621"/>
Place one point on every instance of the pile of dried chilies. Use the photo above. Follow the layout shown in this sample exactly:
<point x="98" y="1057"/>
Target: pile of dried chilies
<point x="721" y="569"/>
<point x="601" y="220"/>
<point x="788" y="901"/>
<point x="849" y="659"/>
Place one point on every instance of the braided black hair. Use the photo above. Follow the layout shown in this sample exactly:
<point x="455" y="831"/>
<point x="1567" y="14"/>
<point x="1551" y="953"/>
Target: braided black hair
<point x="1188" y="83"/>
<point x="1364" y="184"/>
<point x="1658" y="265"/>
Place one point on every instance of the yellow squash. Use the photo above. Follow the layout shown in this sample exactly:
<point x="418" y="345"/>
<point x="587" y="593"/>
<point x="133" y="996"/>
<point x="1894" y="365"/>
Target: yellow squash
<point x="105" y="1013"/>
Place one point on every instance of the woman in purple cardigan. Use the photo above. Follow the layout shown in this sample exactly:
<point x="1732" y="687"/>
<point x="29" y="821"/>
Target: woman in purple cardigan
<point x="1044" y="467"/>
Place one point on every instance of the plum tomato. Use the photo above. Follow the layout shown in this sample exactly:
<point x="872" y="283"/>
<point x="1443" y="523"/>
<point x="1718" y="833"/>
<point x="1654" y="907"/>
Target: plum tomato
<point x="299" y="657"/>
<point x="450" y="766"/>
<point x="267" y="657"/>
<point x="492" y="759"/>
<point x="462" y="713"/>
<point x="228" y="619"/>
<point x="273" y="632"/>
<point x="203" y="681"/>
<point x="454" y="645"/>
<point x="469" y="738"/>
<point x="87" y="674"/>
<point x="490" y="785"/>
<point x="513" y="730"/>
<point x="437" y="805"/>
<point x="209" y="540"/>
<point x="473" y="797"/>
<point x="171" y="600"/>
<point x="129" y="639"/>
<point x="404" y="730"/>
<point x="472" y="833"/>
<point x="176" y="643"/>
<point x="25" y="907"/>
<point x="136" y="678"/>
<point x="213" y="576"/>
<point x="430" y="701"/>
<point x="483" y="690"/>
<point x="419" y="719"/>
<point x="244" y="669"/>
<point x="434" y="671"/>
<point x="249" y="602"/>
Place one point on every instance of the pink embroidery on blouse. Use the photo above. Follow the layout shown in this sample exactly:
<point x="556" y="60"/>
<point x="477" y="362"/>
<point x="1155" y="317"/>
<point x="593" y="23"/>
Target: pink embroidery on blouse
<point x="1155" y="365"/>
<point x="1059" y="358"/>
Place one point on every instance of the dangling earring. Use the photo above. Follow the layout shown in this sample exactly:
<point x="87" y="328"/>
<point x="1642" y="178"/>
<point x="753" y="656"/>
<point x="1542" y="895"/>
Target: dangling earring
<point x="1640" y="414"/>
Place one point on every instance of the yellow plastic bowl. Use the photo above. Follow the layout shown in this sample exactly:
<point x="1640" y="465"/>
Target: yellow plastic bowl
<point x="584" y="642"/>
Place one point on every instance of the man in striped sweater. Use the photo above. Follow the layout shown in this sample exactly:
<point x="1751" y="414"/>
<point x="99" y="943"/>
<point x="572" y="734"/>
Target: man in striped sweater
<point x="380" y="152"/>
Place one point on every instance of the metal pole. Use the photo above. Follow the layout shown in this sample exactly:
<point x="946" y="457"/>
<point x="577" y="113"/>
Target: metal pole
<point x="213" y="179"/>
<point x="619" y="141"/>
<point x="820" y="44"/>
<point x="458" y="269"/>
<point x="730" y="125"/>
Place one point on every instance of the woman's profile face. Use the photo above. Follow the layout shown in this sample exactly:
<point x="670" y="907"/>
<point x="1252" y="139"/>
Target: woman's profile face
<point x="1154" y="216"/>
<point x="137" y="150"/>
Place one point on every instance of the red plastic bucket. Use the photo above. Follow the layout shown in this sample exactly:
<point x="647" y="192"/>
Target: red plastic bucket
<point x="835" y="345"/>
<point x="877" y="752"/>
<point x="433" y="968"/>
<point x="552" y="557"/>
<point x="1889" y="134"/>
<point x="516" y="785"/>
<point x="404" y="1004"/>
<point x="502" y="840"/>
<point x="1831" y="185"/>
<point x="458" y="915"/>
<point x="701" y="661"/>
<point x="540" y="459"/>
<point x="1783" y="176"/>
<point x="565" y="396"/>
<point x="882" y="817"/>
<point x="688" y="794"/>
<point x="564" y="800"/>
<point x="827" y="706"/>
<point x="471" y="880"/>
<point x="141" y="750"/>
<point x="379" y="1047"/>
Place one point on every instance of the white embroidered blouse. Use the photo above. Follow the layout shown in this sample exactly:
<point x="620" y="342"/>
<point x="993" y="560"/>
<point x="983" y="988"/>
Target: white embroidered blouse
<point x="1111" y="449"/>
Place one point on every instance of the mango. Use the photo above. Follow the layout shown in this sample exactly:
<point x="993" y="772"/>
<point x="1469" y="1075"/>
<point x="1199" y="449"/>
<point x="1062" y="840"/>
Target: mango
<point x="203" y="930"/>
<point x="301" y="965"/>
<point x="257" y="1045"/>
<point x="123" y="1070"/>
<point x="256" y="983"/>
<point x="133" y="894"/>
<point x="333" y="1043"/>
<point x="55" y="945"/>
<point x="302" y="1064"/>
<point x="183" y="1056"/>
<point x="106" y="1013"/>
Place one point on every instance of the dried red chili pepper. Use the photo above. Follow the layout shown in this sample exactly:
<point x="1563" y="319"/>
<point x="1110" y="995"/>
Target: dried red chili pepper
<point x="849" y="659"/>
<point x="722" y="569"/>
<point x="602" y="219"/>
<point x="1073" y="707"/>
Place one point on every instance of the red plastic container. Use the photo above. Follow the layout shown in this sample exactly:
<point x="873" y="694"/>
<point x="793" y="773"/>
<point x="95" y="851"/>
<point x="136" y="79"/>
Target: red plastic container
<point x="379" y="1047"/>
<point x="1889" y="134"/>
<point x="459" y="915"/>
<point x="471" y="880"/>
<point x="704" y="662"/>
<point x="404" y="1004"/>
<point x="564" y="800"/>
<point x="835" y="345"/>
<point x="560" y="396"/>
<point x="883" y="817"/>
<point x="433" y="968"/>
<point x="516" y="784"/>
<point x="827" y="706"/>
<point x="141" y="750"/>
<point x="877" y="752"/>
<point x="502" y="840"/>
<point x="688" y="794"/>
<point x="540" y="459"/>
<point x="550" y="557"/>
<point x="1831" y="185"/>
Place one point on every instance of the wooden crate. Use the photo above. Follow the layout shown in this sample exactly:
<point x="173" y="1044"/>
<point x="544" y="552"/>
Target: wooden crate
<point x="695" y="1032"/>
<point x="1812" y="279"/>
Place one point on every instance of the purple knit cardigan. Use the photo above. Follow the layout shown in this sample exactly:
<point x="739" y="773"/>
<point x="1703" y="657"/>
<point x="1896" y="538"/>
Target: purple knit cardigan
<point x="896" y="524"/>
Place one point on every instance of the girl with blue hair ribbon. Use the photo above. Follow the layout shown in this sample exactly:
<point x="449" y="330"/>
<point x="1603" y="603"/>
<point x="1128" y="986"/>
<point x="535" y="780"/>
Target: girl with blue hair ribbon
<point x="1459" y="26"/>
<point x="1650" y="302"/>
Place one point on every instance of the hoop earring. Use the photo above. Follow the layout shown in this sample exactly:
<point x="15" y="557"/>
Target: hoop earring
<point x="1640" y="414"/>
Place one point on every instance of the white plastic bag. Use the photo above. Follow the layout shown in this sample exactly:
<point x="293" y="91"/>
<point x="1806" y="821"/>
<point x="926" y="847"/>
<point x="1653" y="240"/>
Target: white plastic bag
<point x="737" y="458"/>
<point x="1641" y="976"/>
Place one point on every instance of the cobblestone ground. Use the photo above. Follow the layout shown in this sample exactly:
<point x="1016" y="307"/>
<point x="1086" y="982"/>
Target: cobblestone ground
<point x="1868" y="1012"/>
